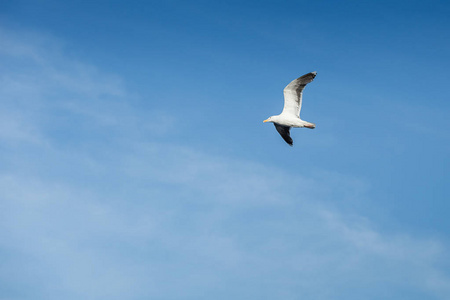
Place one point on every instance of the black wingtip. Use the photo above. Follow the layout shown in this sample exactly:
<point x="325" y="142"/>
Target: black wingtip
<point x="284" y="132"/>
<point x="307" y="78"/>
<point x="288" y="140"/>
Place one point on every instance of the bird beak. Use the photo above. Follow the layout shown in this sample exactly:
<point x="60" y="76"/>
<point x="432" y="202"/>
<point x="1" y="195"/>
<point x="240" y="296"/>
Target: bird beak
<point x="266" y="121"/>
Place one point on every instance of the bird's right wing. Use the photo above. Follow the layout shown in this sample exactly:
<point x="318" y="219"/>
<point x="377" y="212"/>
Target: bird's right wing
<point x="284" y="132"/>
<point x="293" y="94"/>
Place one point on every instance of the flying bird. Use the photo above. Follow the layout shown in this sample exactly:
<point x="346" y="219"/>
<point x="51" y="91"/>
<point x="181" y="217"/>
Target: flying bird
<point x="290" y="116"/>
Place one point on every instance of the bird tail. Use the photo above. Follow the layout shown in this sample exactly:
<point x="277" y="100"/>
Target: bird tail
<point x="310" y="125"/>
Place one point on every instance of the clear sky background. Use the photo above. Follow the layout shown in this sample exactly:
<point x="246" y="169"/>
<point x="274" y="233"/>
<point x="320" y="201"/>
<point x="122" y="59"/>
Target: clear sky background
<point x="134" y="163"/>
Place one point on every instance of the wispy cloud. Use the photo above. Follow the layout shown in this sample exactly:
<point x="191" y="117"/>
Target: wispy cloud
<point x="97" y="204"/>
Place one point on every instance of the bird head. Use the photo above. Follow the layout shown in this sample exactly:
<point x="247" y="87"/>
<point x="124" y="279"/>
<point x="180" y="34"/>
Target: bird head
<point x="268" y="120"/>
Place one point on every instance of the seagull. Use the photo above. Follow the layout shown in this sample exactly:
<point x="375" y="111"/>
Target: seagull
<point x="290" y="116"/>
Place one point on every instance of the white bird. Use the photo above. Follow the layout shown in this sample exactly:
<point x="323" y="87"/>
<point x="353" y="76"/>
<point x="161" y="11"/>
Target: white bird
<point x="290" y="116"/>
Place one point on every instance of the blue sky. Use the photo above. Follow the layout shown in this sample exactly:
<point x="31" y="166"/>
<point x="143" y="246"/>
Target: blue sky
<point x="134" y="163"/>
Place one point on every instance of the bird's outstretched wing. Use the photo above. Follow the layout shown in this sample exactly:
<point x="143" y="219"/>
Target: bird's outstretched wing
<point x="293" y="94"/>
<point x="284" y="132"/>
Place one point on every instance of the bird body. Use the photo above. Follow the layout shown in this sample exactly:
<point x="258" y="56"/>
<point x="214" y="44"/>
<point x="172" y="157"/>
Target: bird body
<point x="290" y="121"/>
<point x="290" y="116"/>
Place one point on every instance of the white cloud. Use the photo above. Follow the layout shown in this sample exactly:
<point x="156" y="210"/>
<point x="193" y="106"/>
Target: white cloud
<point x="94" y="206"/>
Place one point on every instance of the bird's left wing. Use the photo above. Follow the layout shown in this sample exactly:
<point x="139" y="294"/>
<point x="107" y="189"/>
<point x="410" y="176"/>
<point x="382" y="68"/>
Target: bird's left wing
<point x="284" y="132"/>
<point x="293" y="94"/>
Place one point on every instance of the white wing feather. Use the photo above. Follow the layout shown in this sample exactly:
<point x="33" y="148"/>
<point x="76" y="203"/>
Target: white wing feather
<point x="293" y="94"/>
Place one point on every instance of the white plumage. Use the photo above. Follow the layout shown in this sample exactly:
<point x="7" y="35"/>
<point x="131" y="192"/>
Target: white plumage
<point x="290" y="116"/>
